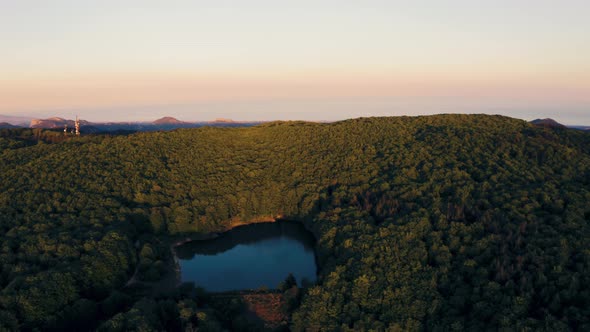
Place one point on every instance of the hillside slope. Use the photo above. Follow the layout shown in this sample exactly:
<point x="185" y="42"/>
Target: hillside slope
<point x="438" y="222"/>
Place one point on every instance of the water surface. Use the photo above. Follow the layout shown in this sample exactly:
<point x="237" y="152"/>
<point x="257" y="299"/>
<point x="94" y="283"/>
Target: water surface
<point x="250" y="257"/>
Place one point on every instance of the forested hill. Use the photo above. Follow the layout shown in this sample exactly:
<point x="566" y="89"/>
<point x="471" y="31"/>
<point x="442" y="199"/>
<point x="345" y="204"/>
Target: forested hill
<point x="448" y="222"/>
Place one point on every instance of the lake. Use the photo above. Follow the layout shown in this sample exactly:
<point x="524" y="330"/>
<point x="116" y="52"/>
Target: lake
<point x="250" y="257"/>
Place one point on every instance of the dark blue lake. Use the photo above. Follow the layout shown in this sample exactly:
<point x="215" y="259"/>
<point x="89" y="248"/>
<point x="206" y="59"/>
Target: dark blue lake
<point x="250" y="257"/>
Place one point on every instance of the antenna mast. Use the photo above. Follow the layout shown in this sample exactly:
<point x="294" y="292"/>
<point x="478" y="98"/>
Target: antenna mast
<point x="77" y="123"/>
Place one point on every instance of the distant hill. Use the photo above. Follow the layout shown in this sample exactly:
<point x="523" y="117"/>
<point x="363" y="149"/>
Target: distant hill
<point x="5" y="125"/>
<point x="15" y="120"/>
<point x="223" y="120"/>
<point x="168" y="120"/>
<point x="55" y="122"/>
<point x="548" y="123"/>
<point x="48" y="123"/>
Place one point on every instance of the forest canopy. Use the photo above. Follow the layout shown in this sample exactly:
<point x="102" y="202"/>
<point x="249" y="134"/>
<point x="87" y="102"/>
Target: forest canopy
<point x="447" y="222"/>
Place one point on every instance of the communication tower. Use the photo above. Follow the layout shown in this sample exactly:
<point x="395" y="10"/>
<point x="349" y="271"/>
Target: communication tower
<point x="77" y="123"/>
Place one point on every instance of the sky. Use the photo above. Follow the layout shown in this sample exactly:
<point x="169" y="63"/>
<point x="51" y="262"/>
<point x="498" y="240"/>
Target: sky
<point x="285" y="60"/>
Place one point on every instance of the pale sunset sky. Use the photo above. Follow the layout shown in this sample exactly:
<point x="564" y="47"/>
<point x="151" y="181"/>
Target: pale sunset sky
<point x="195" y="60"/>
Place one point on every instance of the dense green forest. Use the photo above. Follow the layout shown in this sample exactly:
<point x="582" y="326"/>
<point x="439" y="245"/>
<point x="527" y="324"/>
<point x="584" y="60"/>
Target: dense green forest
<point x="448" y="222"/>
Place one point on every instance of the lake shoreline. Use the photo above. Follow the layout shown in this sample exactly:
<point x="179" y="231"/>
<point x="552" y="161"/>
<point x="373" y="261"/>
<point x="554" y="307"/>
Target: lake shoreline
<point x="177" y="241"/>
<point x="172" y="279"/>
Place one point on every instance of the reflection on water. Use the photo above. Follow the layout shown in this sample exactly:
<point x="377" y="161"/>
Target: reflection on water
<point x="249" y="257"/>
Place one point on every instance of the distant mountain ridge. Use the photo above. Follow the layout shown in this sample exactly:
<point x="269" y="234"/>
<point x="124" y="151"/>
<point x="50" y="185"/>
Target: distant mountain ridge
<point x="55" y="122"/>
<point x="5" y="125"/>
<point x="170" y="123"/>
<point x="580" y="127"/>
<point x="164" y="123"/>
<point x="19" y="121"/>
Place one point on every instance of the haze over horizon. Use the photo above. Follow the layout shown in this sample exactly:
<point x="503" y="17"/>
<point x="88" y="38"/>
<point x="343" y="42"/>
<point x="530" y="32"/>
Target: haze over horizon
<point x="306" y="60"/>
